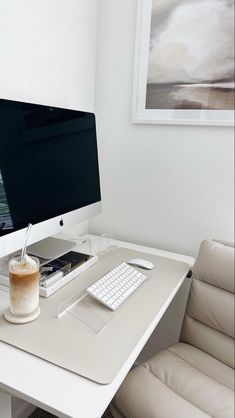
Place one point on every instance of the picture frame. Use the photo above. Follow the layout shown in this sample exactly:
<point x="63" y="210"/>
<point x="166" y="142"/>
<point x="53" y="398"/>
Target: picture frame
<point x="179" y="116"/>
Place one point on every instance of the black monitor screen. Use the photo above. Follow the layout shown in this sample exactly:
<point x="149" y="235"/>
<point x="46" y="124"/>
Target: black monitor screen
<point x="48" y="163"/>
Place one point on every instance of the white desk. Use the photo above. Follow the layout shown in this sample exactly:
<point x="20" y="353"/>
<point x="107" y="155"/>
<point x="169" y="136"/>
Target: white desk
<point x="56" y="390"/>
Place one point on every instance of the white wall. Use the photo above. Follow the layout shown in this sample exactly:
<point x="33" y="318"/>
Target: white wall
<point x="48" y="51"/>
<point x="165" y="186"/>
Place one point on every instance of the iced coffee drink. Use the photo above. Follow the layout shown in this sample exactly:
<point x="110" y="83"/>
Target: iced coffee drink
<point x="24" y="285"/>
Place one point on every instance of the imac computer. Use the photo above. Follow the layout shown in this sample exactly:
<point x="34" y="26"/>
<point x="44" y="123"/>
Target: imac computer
<point x="49" y="172"/>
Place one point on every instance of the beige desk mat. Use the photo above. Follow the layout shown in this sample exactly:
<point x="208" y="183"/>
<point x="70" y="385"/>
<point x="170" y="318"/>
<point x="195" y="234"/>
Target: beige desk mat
<point x="98" y="357"/>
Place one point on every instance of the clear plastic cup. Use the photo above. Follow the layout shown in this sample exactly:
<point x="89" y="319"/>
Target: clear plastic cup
<point x="106" y="245"/>
<point x="24" y="285"/>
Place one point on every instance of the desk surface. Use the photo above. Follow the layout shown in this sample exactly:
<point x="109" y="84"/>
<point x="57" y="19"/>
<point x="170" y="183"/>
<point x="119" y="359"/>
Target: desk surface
<point x="57" y="390"/>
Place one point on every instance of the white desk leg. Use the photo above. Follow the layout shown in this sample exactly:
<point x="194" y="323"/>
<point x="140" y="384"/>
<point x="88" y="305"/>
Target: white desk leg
<point x="5" y="404"/>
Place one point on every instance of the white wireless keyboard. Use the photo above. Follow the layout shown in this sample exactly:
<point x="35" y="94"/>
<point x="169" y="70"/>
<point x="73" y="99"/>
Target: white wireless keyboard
<point x="115" y="287"/>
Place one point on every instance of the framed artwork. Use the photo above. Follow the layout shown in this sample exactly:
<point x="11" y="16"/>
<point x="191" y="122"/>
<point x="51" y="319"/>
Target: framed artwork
<point x="184" y="62"/>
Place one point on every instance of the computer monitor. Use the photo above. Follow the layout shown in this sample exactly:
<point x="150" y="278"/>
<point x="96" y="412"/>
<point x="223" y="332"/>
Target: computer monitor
<point x="49" y="172"/>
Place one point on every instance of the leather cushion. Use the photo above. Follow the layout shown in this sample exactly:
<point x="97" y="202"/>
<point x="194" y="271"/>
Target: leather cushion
<point x="142" y="395"/>
<point x="172" y="384"/>
<point x="206" y="363"/>
<point x="215" y="264"/>
<point x="207" y="339"/>
<point x="212" y="306"/>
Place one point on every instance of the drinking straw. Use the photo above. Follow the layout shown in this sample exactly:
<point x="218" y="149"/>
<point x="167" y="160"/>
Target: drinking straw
<point x="23" y="252"/>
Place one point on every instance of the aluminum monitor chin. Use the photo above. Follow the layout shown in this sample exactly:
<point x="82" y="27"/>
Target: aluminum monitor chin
<point x="49" y="171"/>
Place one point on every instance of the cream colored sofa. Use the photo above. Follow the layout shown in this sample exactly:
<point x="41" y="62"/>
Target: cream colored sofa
<point x="194" y="378"/>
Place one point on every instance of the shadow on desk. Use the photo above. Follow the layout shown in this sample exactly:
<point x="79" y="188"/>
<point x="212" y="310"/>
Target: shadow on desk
<point x="40" y="413"/>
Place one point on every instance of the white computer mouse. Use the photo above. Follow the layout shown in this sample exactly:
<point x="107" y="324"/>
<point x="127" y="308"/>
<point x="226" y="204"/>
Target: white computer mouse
<point x="139" y="262"/>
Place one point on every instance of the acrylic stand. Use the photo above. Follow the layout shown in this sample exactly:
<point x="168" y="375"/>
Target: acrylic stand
<point x="86" y="310"/>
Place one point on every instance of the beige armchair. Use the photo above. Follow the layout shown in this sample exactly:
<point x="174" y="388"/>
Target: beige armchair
<point x="194" y="378"/>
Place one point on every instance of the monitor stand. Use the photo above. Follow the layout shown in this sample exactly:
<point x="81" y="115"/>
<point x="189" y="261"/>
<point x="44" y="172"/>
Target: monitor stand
<point x="51" y="248"/>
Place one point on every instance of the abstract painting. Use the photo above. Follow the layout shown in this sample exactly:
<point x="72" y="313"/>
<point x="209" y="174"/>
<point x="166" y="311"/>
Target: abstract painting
<point x="184" y="62"/>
